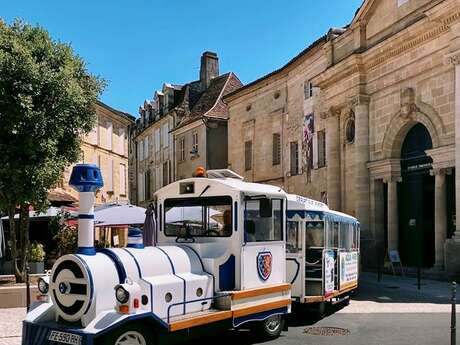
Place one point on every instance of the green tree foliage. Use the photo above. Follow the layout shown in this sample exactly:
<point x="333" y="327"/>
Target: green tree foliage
<point x="47" y="102"/>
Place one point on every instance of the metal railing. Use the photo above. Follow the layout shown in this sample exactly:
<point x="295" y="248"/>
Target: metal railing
<point x="192" y="301"/>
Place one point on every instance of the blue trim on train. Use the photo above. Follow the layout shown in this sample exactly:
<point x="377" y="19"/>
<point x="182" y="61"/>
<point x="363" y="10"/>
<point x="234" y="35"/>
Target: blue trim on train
<point x="320" y="216"/>
<point x="297" y="271"/>
<point x="86" y="216"/>
<point x="202" y="266"/>
<point x="86" y="250"/>
<point x="259" y="316"/>
<point x="140" y="277"/>
<point x="227" y="274"/>
<point x="38" y="333"/>
<point x="118" y="264"/>
<point x="174" y="272"/>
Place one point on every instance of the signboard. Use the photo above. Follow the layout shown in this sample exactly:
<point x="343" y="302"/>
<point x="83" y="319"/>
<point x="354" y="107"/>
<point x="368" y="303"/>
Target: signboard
<point x="328" y="272"/>
<point x="348" y="269"/>
<point x="393" y="255"/>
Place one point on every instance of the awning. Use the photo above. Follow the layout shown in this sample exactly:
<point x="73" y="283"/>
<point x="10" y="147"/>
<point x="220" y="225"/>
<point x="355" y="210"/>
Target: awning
<point x="118" y="215"/>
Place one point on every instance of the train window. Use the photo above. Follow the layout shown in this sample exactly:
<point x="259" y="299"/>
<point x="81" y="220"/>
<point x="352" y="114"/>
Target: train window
<point x="315" y="234"/>
<point x="198" y="217"/>
<point x="262" y="229"/>
<point x="355" y="231"/>
<point x="335" y="235"/>
<point x="346" y="236"/>
<point x="293" y="244"/>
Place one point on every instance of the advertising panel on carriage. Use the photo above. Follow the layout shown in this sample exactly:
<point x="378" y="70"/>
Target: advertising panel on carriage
<point x="348" y="269"/>
<point x="329" y="272"/>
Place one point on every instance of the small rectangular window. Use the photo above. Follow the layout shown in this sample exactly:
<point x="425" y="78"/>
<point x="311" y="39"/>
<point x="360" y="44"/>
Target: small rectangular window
<point x="248" y="155"/>
<point x="308" y="89"/>
<point x="321" y="149"/>
<point x="276" y="148"/>
<point x="294" y="158"/>
<point x="182" y="149"/>
<point x="195" y="143"/>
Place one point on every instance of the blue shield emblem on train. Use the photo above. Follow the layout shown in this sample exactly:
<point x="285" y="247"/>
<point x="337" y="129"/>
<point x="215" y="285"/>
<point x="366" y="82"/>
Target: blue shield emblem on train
<point x="264" y="265"/>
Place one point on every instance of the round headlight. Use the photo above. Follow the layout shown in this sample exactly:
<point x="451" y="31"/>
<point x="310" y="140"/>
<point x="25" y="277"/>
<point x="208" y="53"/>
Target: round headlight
<point x="43" y="286"/>
<point x="121" y="295"/>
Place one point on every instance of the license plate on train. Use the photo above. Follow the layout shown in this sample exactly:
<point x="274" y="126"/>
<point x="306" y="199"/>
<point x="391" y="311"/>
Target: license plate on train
<point x="65" y="338"/>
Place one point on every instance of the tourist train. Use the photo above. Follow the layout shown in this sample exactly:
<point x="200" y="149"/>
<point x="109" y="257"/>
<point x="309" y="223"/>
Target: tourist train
<point x="217" y="260"/>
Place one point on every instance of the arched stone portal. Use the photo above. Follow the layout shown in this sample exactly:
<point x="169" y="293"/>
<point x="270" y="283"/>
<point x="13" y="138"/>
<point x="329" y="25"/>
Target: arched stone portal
<point x="416" y="199"/>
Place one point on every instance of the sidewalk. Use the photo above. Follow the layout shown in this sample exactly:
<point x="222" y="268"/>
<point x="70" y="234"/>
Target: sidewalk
<point x="400" y="295"/>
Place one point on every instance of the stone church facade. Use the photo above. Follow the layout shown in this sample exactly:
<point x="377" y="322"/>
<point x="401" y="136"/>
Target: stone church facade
<point x="367" y="119"/>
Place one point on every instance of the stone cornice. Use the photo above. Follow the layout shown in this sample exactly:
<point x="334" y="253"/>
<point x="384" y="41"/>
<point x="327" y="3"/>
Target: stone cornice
<point x="443" y="157"/>
<point x="349" y="67"/>
<point x="386" y="169"/>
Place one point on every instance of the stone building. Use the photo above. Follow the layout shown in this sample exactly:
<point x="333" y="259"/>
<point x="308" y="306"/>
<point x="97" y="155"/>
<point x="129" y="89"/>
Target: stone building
<point x="185" y="126"/>
<point x="151" y="152"/>
<point x="106" y="146"/>
<point x="367" y="119"/>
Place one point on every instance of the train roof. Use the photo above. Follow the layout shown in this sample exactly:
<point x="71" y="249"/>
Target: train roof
<point x="301" y="203"/>
<point x="227" y="183"/>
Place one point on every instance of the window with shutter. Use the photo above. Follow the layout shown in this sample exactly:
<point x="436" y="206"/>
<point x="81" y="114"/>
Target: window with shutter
<point x="109" y="135"/>
<point x="182" y="149"/>
<point x="248" y="155"/>
<point x="147" y="185"/>
<point x="110" y="176"/>
<point x="321" y="149"/>
<point x="165" y="173"/>
<point x="122" y="169"/>
<point x="276" y="148"/>
<point x="294" y="158"/>
<point x="146" y="147"/>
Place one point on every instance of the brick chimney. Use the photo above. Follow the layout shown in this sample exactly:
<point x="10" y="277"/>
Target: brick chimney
<point x="209" y="68"/>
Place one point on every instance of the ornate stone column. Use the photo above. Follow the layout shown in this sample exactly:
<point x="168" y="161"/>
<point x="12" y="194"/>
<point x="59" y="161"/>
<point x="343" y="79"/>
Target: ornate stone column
<point x="454" y="58"/>
<point x="333" y="158"/>
<point x="440" y="216"/>
<point x="362" y="181"/>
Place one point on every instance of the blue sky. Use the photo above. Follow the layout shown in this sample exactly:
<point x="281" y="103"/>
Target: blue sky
<point x="139" y="44"/>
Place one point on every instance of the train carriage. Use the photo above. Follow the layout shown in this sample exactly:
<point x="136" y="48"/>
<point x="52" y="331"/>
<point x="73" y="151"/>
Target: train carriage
<point x="322" y="252"/>
<point x="219" y="260"/>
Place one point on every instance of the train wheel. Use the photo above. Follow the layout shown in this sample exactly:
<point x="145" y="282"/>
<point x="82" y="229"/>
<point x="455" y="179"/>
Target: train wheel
<point x="130" y="334"/>
<point x="271" y="327"/>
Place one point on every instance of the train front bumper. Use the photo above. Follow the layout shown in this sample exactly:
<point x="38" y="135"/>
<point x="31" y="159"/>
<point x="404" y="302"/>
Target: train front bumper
<point x="52" y="334"/>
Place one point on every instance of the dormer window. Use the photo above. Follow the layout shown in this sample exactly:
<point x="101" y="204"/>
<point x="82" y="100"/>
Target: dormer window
<point x="402" y="2"/>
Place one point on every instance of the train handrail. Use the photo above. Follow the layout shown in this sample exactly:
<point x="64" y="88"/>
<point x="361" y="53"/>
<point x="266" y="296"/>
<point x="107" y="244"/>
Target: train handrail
<point x="192" y="301"/>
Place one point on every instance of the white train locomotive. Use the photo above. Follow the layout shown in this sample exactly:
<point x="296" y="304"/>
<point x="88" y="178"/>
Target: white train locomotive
<point x="220" y="260"/>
